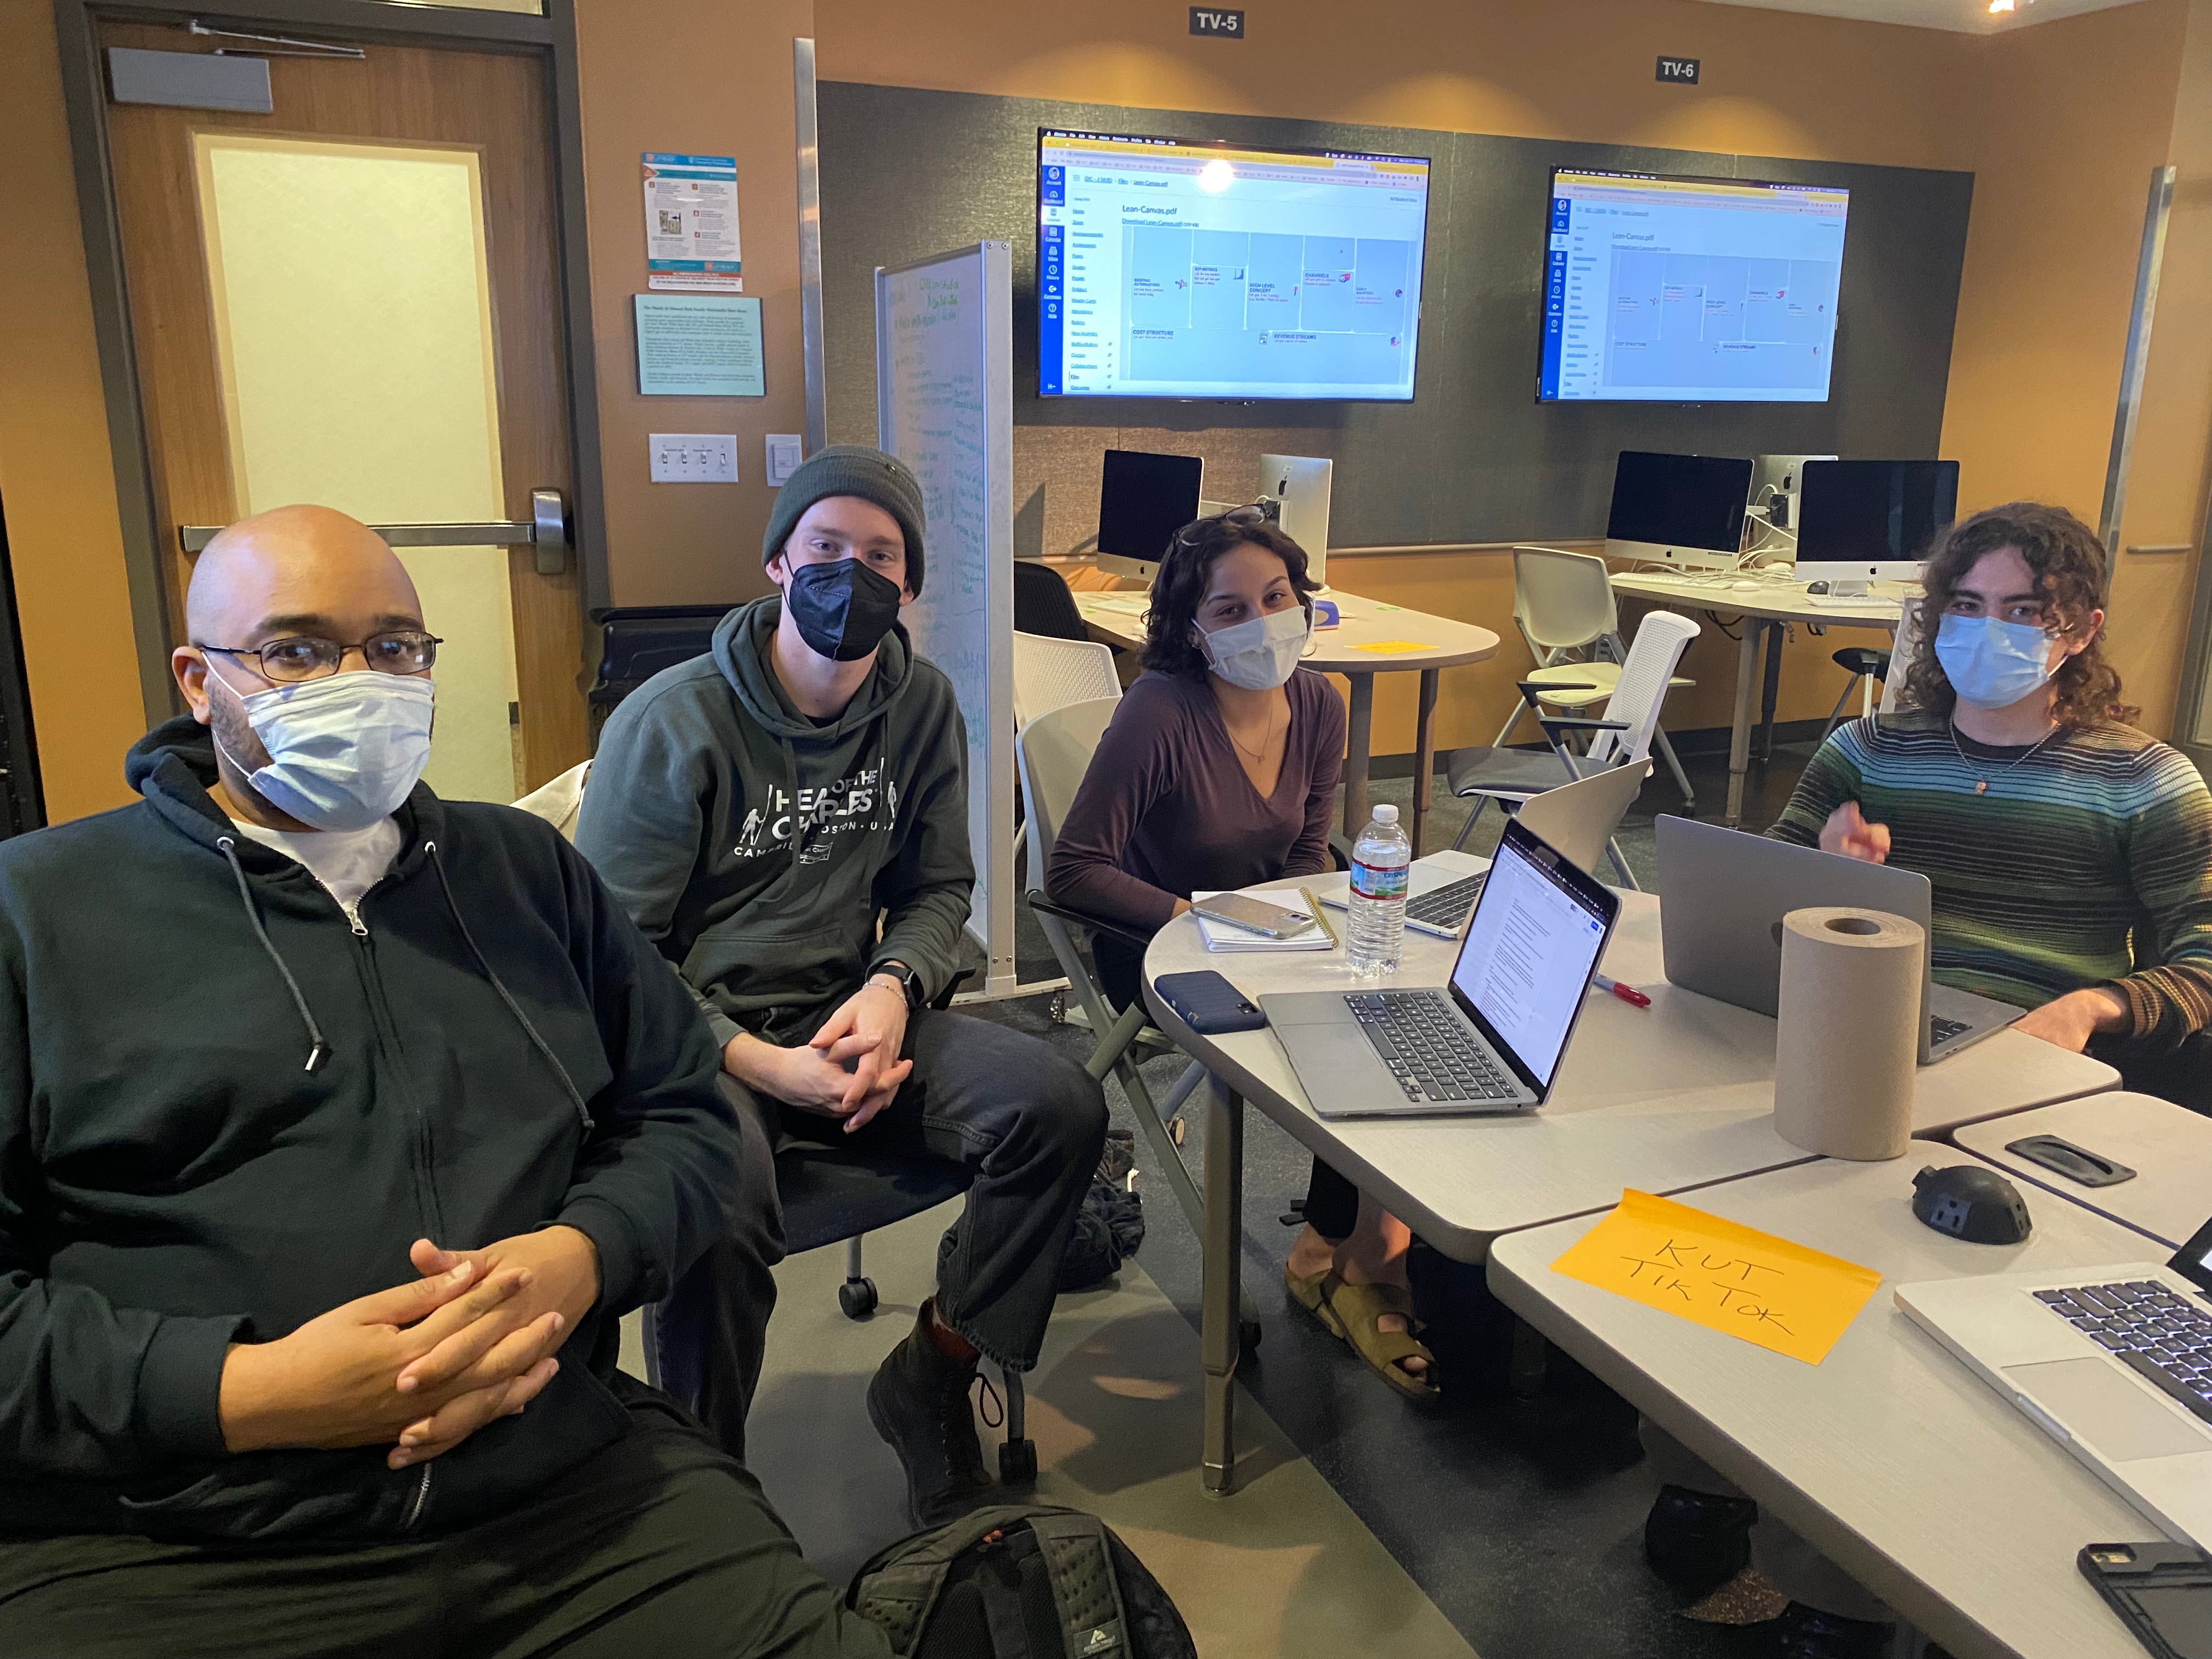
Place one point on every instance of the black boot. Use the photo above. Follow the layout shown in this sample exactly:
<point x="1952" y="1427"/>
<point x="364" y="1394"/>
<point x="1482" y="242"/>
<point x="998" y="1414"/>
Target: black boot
<point x="919" y="1403"/>
<point x="1696" y="1539"/>
<point x="1803" y="1633"/>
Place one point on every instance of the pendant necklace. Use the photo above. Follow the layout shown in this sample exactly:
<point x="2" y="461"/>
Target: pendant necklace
<point x="1982" y="785"/>
<point x="1259" y="754"/>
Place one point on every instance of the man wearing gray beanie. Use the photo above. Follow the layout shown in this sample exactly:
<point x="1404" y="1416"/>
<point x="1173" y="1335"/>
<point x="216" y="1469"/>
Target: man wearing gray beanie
<point x="756" y="810"/>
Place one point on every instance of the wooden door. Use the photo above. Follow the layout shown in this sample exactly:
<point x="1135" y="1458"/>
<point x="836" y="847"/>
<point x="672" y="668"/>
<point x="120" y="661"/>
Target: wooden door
<point x="478" y="120"/>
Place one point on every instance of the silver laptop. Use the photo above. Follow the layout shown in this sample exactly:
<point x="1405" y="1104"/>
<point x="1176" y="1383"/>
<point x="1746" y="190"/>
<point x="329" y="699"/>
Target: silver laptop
<point x="1578" y="818"/>
<point x="2115" y="1363"/>
<point x="1490" y="1040"/>
<point x="1722" y="894"/>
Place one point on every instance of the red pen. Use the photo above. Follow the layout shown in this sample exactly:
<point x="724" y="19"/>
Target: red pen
<point x="1626" y="993"/>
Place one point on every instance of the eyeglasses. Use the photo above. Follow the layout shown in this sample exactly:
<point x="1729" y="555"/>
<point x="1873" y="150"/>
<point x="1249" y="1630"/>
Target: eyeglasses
<point x="304" y="657"/>
<point x="1243" y="517"/>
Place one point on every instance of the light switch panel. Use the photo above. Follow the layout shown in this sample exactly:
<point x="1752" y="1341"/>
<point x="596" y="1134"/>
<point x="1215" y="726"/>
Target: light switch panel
<point x="785" y="450"/>
<point x="694" y="457"/>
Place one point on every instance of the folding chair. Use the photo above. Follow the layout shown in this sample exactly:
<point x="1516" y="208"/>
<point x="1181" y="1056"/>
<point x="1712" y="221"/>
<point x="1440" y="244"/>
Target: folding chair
<point x="1052" y="752"/>
<point x="1514" y="774"/>
<point x="1564" y="602"/>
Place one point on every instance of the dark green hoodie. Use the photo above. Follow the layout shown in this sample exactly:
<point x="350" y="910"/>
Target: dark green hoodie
<point x="769" y="913"/>
<point x="176" y="1176"/>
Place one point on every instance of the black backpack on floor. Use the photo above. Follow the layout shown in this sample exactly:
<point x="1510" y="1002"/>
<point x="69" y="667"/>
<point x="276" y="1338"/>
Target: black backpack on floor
<point x="1018" y="1581"/>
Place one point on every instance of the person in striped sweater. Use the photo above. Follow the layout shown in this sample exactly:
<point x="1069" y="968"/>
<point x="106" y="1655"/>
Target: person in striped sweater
<point x="2071" y="854"/>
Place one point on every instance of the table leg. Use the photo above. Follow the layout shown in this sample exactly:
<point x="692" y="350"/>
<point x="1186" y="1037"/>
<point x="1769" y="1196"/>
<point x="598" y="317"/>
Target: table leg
<point x="1424" y="756"/>
<point x="1357" y="748"/>
<point x="1747" y="671"/>
<point x="1777" y="636"/>
<point x="1219" y="1341"/>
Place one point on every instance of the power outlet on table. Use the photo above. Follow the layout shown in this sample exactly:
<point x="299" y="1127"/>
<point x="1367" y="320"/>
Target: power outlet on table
<point x="694" y="457"/>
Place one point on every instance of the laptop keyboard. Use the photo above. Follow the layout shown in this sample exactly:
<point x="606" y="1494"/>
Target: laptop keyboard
<point x="1446" y="907"/>
<point x="1941" y="1030"/>
<point x="2164" y="1338"/>
<point x="1424" y="1041"/>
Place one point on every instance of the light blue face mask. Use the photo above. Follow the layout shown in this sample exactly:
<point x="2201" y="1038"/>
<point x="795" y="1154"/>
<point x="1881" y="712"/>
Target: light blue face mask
<point x="343" y="750"/>
<point x="1992" y="664"/>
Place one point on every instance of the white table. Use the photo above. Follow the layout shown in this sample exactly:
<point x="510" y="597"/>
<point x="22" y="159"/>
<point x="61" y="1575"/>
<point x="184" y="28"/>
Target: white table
<point x="1764" y="608"/>
<point x="1889" y="1457"/>
<point x="1667" y="1098"/>
<point x="1117" y="619"/>
<point x="2169" y="1147"/>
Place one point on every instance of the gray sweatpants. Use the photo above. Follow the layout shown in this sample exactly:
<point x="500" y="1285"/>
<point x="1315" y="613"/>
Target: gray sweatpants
<point x="1025" y="1117"/>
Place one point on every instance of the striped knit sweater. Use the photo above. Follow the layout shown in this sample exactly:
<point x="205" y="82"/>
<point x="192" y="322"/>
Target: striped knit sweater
<point x="2089" y="862"/>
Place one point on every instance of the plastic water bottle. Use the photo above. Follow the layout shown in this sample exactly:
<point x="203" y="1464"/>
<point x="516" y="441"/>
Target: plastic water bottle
<point x="1378" y="893"/>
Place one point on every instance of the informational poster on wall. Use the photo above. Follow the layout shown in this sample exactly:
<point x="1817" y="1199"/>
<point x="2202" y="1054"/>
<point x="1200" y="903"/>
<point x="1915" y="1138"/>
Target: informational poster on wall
<point x="699" y="345"/>
<point x="691" y="223"/>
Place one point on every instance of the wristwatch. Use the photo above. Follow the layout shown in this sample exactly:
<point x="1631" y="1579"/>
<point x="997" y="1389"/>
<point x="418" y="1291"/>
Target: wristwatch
<point x="910" y="982"/>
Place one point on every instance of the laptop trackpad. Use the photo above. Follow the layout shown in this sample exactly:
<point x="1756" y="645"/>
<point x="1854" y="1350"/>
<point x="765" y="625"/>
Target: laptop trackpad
<point x="2108" y="1409"/>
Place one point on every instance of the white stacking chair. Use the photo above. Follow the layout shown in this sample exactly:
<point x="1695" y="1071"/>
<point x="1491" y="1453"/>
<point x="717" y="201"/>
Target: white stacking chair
<point x="1631" y="722"/>
<point x="1563" y="603"/>
<point x="1052" y="752"/>
<point x="1052" y="673"/>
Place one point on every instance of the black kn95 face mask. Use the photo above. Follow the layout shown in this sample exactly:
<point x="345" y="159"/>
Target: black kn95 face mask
<point x="843" y="608"/>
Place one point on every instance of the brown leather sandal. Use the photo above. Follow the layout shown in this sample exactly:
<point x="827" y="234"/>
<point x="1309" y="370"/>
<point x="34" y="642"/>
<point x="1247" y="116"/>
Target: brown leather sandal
<point x="1307" y="1293"/>
<point x="1358" y="1310"/>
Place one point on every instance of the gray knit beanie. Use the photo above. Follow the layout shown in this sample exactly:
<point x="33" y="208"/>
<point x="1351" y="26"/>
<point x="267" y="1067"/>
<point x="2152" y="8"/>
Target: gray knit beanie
<point x="850" y="470"/>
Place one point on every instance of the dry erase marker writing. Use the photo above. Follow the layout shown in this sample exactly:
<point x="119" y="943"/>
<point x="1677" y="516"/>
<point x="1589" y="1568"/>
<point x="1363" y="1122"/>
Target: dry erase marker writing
<point x="1626" y="993"/>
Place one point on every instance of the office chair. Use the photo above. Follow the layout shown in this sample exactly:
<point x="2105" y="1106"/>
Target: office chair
<point x="1043" y="604"/>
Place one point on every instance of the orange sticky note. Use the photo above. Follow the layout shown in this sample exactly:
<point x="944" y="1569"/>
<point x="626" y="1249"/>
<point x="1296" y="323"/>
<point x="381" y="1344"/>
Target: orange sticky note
<point x="1384" y="646"/>
<point x="1721" y="1274"/>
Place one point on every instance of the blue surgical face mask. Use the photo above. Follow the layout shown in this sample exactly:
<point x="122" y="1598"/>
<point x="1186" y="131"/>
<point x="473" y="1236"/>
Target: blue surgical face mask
<point x="343" y="750"/>
<point x="1992" y="664"/>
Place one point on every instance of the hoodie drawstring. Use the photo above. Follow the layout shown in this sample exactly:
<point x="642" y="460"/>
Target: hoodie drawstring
<point x="513" y="1007"/>
<point x="797" y="818"/>
<point x="319" y="1050"/>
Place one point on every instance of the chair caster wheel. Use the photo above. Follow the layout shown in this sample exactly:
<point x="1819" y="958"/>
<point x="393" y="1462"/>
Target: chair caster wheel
<point x="857" y="1297"/>
<point x="1247" y="1333"/>
<point x="1018" y="1464"/>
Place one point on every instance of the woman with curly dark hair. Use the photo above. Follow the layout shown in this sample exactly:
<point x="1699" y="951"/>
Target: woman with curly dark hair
<point x="1220" y="770"/>
<point x="2070" y="854"/>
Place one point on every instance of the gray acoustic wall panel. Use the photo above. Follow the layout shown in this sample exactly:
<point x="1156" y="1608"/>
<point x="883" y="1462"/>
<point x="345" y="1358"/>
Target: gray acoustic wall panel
<point x="1473" y="457"/>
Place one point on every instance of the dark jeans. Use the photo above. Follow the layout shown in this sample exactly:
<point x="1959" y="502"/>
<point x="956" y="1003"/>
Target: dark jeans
<point x="1026" y="1119"/>
<point x="1331" y="1202"/>
<point x="2182" y="1074"/>
<point x="659" y="1545"/>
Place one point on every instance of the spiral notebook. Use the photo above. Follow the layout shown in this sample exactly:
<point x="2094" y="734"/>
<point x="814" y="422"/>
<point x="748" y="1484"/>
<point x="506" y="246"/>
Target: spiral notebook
<point x="1228" y="940"/>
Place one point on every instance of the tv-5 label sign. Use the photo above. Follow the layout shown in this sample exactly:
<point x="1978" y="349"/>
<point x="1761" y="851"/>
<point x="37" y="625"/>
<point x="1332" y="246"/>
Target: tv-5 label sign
<point x="1222" y="25"/>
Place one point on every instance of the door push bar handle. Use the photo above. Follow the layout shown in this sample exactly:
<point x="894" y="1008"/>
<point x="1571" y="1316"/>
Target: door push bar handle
<point x="548" y="529"/>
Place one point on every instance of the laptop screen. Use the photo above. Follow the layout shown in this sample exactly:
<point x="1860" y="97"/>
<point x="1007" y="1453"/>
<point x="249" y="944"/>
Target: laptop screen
<point x="1530" y="949"/>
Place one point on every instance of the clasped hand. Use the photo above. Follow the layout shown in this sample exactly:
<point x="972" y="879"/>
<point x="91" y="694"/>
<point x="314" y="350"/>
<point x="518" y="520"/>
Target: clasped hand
<point x="418" y="1367"/>
<point x="849" y="1069"/>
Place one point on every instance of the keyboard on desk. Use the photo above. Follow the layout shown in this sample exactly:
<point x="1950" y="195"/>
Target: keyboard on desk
<point x="2162" y="1337"/>
<point x="1447" y="907"/>
<point x="1941" y="1030"/>
<point x="1425" y="1043"/>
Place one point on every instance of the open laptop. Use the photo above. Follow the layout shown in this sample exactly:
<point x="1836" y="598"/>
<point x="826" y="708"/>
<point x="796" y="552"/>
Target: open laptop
<point x="1722" y="894"/>
<point x="1489" y="1041"/>
<point x="1577" y="819"/>
<point x="2115" y="1363"/>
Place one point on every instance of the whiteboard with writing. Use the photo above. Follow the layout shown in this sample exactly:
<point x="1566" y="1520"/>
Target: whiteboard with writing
<point x="944" y="405"/>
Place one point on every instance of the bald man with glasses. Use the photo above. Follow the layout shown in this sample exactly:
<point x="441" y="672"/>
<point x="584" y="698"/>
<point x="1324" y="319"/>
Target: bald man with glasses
<point x="339" y="1125"/>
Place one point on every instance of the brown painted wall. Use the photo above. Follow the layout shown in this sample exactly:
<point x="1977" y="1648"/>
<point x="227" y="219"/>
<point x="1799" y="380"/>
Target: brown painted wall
<point x="700" y="77"/>
<point x="57" y="483"/>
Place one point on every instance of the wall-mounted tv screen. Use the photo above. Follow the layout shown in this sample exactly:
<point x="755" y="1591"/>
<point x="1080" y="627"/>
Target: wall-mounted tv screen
<point x="1667" y="289"/>
<point x="1171" y="269"/>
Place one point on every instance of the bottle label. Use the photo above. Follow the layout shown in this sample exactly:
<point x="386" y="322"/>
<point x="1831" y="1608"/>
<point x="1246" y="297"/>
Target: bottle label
<point x="1386" y="883"/>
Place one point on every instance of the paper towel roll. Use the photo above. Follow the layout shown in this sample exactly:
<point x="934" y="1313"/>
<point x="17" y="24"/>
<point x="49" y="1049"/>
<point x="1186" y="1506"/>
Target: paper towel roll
<point x="1849" y="1041"/>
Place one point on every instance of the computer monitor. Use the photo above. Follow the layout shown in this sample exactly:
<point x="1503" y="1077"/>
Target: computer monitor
<point x="1681" y="510"/>
<point x="1775" y="482"/>
<point x="1143" y="499"/>
<point x="1862" y="521"/>
<point x="1300" y="485"/>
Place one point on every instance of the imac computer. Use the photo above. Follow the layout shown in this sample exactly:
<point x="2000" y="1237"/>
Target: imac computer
<point x="1775" y="482"/>
<point x="1299" y="486"/>
<point x="1685" y="511"/>
<point x="1864" y="521"/>
<point x="1143" y="499"/>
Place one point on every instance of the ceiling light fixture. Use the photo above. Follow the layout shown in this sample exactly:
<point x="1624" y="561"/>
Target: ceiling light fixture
<point x="1999" y="7"/>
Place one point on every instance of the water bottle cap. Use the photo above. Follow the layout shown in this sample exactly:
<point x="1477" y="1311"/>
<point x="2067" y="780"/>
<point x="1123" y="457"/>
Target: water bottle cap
<point x="1386" y="813"/>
